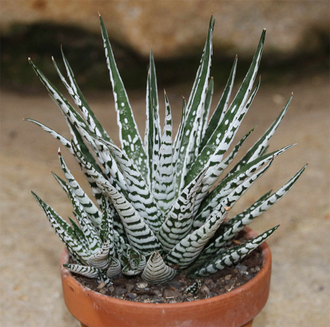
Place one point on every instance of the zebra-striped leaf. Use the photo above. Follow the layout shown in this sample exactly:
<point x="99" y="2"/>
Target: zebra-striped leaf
<point x="261" y="145"/>
<point x="194" y="114"/>
<point x="152" y="132"/>
<point x="129" y="135"/>
<point x="53" y="133"/>
<point x="138" y="191"/>
<point x="88" y="205"/>
<point x="221" y="108"/>
<point x="179" y="219"/>
<point x="63" y="230"/>
<point x="189" y="248"/>
<point x="156" y="271"/>
<point x="230" y="182"/>
<point x="76" y="94"/>
<point x="114" y="267"/>
<point x="229" y="229"/>
<point x="164" y="190"/>
<point x="228" y="257"/>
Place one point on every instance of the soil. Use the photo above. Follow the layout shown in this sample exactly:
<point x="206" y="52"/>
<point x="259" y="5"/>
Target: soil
<point x="137" y="290"/>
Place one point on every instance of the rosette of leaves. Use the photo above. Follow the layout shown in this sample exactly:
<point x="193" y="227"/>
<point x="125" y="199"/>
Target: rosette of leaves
<point x="161" y="203"/>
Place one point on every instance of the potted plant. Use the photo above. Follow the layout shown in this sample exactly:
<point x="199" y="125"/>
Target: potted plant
<point x="160" y="212"/>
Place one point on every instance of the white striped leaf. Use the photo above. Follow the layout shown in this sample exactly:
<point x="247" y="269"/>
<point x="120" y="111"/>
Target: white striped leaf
<point x="135" y="263"/>
<point x="194" y="114"/>
<point x="77" y="230"/>
<point x="152" y="131"/>
<point x="121" y="243"/>
<point x="156" y="271"/>
<point x="229" y="229"/>
<point x="234" y="196"/>
<point x="129" y="135"/>
<point x="213" y="173"/>
<point x="53" y="133"/>
<point x="138" y="191"/>
<point x="114" y="267"/>
<point x="229" y="183"/>
<point x="107" y="225"/>
<point x="88" y="205"/>
<point x="100" y="259"/>
<point x="86" y="224"/>
<point x="232" y="117"/>
<point x="87" y="271"/>
<point x="76" y="94"/>
<point x="79" y="234"/>
<point x="164" y="190"/>
<point x="261" y="145"/>
<point x="66" y="108"/>
<point x="220" y="141"/>
<point x="177" y="146"/>
<point x="179" y="219"/>
<point x="205" y="116"/>
<point x="221" y="108"/>
<point x="138" y="232"/>
<point x="64" y="231"/>
<point x="228" y="257"/>
<point x="188" y="249"/>
<point x="90" y="272"/>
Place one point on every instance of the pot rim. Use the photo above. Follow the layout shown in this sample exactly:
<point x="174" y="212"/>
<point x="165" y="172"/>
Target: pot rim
<point x="266" y="266"/>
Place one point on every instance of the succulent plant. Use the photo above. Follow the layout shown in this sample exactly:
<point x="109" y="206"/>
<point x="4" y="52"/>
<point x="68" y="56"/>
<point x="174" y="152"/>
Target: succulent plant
<point x="159" y="206"/>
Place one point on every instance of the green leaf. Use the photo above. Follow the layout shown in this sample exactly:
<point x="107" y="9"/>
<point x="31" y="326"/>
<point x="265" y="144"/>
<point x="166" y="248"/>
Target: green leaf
<point x="76" y="94"/>
<point x="229" y="229"/>
<point x="156" y="271"/>
<point x="130" y="138"/>
<point x="88" y="205"/>
<point x="212" y="153"/>
<point x="138" y="192"/>
<point x="53" y="133"/>
<point x="228" y="257"/>
<point x="230" y="182"/>
<point x="152" y="131"/>
<point x="262" y="144"/>
<point x="164" y="190"/>
<point x="221" y="108"/>
<point x="206" y="113"/>
<point x="179" y="219"/>
<point x="213" y="173"/>
<point x="188" y="249"/>
<point x="194" y="114"/>
<point x="64" y="231"/>
<point x="232" y="198"/>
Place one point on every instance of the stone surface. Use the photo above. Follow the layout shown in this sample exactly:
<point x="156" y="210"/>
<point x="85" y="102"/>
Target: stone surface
<point x="175" y="28"/>
<point x="30" y="285"/>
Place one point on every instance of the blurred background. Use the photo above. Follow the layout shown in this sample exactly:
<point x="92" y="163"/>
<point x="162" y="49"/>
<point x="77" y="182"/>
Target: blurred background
<point x="296" y="59"/>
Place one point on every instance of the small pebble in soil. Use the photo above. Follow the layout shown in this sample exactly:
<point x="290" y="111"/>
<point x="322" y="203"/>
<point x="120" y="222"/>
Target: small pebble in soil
<point x="141" y="286"/>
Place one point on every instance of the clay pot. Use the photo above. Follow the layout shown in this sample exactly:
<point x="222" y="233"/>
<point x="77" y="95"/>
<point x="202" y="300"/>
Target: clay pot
<point x="235" y="308"/>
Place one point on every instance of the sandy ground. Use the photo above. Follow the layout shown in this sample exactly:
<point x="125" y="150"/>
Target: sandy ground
<point x="300" y="293"/>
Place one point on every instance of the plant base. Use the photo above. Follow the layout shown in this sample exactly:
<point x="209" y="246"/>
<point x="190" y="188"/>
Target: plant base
<point x="235" y="308"/>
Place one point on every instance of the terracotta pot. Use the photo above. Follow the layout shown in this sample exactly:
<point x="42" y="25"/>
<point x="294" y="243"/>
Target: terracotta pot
<point x="235" y="308"/>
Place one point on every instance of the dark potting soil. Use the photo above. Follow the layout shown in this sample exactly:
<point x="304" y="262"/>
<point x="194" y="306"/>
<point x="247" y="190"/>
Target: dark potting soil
<point x="137" y="290"/>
